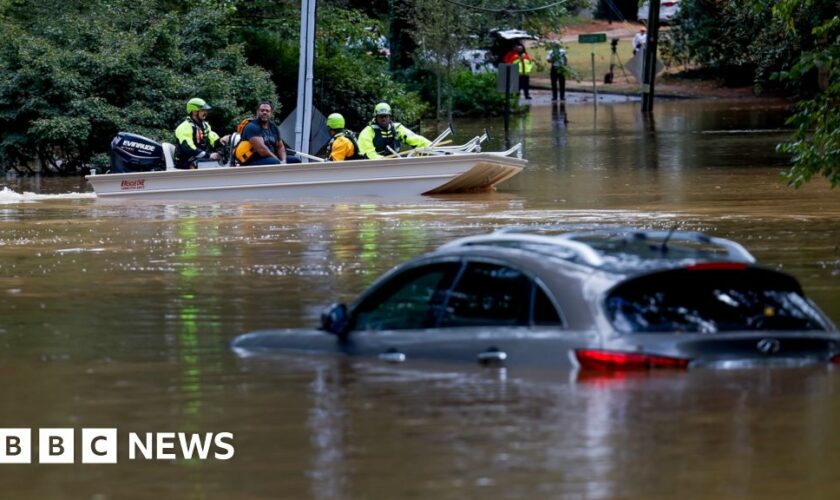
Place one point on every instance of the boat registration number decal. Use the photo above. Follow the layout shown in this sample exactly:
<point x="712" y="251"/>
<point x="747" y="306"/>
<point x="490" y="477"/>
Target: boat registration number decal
<point x="133" y="185"/>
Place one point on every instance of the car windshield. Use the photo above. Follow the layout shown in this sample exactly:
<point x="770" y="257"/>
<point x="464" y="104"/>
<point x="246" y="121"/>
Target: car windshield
<point x="711" y="301"/>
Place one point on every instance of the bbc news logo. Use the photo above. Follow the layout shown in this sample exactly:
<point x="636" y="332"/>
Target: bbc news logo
<point x="100" y="446"/>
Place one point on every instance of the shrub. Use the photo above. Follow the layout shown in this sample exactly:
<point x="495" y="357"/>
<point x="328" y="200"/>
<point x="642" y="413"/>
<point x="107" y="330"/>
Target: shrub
<point x="476" y="95"/>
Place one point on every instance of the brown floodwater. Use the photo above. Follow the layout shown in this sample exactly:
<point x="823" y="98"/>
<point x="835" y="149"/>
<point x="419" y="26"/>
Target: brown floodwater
<point x="119" y="315"/>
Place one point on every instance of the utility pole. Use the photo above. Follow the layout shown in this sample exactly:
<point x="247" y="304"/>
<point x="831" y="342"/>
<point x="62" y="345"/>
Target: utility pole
<point x="649" y="68"/>
<point x="303" y="121"/>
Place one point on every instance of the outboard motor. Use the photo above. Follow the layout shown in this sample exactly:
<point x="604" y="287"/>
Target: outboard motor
<point x="135" y="153"/>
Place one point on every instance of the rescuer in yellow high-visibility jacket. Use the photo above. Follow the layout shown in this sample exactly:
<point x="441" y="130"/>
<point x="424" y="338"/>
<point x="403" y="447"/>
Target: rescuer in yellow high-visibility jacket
<point x="196" y="140"/>
<point x="381" y="134"/>
<point x="343" y="144"/>
<point x="522" y="60"/>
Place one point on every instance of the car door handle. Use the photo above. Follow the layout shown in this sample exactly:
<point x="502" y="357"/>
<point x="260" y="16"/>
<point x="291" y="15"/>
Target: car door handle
<point x="392" y="356"/>
<point x="492" y="356"/>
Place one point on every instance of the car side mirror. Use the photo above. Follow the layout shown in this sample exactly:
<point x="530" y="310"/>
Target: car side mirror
<point x="334" y="319"/>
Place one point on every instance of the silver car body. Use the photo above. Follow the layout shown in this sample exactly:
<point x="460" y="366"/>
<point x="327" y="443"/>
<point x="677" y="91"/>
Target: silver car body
<point x="578" y="273"/>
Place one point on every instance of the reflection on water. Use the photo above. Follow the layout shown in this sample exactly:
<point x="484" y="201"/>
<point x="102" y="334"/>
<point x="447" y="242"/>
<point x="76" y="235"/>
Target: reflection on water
<point x="118" y="314"/>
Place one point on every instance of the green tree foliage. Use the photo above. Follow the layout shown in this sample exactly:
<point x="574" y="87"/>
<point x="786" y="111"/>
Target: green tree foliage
<point x="442" y="34"/>
<point x="815" y="144"/>
<point x="539" y="17"/>
<point x="350" y="74"/>
<point x="740" y="43"/>
<point x="74" y="74"/>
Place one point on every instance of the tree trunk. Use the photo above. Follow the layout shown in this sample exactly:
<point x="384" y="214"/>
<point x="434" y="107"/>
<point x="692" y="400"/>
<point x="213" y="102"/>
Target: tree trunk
<point x="437" y="110"/>
<point x="449" y="89"/>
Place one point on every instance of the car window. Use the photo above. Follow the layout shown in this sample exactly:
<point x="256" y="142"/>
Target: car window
<point x="545" y="314"/>
<point x="710" y="302"/>
<point x="491" y="294"/>
<point x="412" y="299"/>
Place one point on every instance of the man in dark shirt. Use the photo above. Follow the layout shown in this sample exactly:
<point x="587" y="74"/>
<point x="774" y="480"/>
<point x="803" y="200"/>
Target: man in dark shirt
<point x="262" y="135"/>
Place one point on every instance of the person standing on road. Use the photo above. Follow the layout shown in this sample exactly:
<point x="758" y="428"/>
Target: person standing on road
<point x="640" y="40"/>
<point x="522" y="60"/>
<point x="559" y="67"/>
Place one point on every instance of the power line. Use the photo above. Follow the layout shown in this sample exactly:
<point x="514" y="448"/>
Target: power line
<point x="508" y="11"/>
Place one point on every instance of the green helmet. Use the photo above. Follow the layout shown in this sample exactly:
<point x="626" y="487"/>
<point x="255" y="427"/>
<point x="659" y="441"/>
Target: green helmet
<point x="382" y="109"/>
<point x="196" y="104"/>
<point x="335" y="121"/>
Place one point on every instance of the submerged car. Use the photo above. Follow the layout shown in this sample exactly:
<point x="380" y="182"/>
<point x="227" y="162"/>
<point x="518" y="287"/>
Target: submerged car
<point x="611" y="299"/>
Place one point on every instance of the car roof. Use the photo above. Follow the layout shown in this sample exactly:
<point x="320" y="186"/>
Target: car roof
<point x="622" y="251"/>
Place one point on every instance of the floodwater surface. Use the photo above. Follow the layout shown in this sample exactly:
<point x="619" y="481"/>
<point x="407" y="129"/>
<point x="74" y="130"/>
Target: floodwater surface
<point x="118" y="314"/>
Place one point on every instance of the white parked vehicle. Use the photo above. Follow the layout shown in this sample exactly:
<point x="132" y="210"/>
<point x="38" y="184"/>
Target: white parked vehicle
<point x="667" y="10"/>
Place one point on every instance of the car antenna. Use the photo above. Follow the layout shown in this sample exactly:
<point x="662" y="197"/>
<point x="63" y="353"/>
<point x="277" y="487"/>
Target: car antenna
<point x="663" y="248"/>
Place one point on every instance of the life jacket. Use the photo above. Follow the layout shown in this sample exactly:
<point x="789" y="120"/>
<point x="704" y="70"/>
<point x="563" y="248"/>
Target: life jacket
<point x="382" y="139"/>
<point x="525" y="64"/>
<point x="350" y="135"/>
<point x="201" y="139"/>
<point x="243" y="150"/>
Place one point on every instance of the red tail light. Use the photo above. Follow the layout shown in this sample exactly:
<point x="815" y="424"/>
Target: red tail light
<point x="717" y="266"/>
<point x="668" y="4"/>
<point x="593" y="359"/>
<point x="836" y="359"/>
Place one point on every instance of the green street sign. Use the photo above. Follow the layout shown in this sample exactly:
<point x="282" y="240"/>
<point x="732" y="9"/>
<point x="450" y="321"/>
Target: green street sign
<point x="592" y="38"/>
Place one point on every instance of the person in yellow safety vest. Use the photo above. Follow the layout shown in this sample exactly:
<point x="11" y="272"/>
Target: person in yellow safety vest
<point x="381" y="134"/>
<point x="196" y="140"/>
<point x="519" y="57"/>
<point x="342" y="145"/>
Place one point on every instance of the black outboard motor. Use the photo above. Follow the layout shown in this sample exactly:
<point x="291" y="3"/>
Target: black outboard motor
<point x="135" y="153"/>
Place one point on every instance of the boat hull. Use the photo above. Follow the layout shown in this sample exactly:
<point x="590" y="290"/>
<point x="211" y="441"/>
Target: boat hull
<point x="390" y="178"/>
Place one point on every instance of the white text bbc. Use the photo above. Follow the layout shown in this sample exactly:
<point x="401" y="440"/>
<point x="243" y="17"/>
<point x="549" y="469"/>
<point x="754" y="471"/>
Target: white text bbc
<point x="99" y="446"/>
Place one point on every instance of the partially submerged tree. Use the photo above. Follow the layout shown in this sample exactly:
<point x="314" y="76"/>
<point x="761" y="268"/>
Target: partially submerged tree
<point x="815" y="145"/>
<point x="795" y="42"/>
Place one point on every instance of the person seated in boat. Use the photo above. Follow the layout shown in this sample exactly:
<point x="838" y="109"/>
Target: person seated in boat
<point x="342" y="145"/>
<point x="382" y="134"/>
<point x="196" y="140"/>
<point x="261" y="143"/>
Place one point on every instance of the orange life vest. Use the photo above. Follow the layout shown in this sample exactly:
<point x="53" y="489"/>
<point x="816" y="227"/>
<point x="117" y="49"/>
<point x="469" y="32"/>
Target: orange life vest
<point x="243" y="150"/>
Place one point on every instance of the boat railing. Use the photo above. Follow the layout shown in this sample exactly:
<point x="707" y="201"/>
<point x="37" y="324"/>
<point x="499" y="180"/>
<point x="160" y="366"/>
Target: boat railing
<point x="515" y="149"/>
<point x="434" y="142"/>
<point x="471" y="146"/>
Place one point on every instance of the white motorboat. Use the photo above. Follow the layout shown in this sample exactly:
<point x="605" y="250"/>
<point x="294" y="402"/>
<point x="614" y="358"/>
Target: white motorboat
<point x="459" y="172"/>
